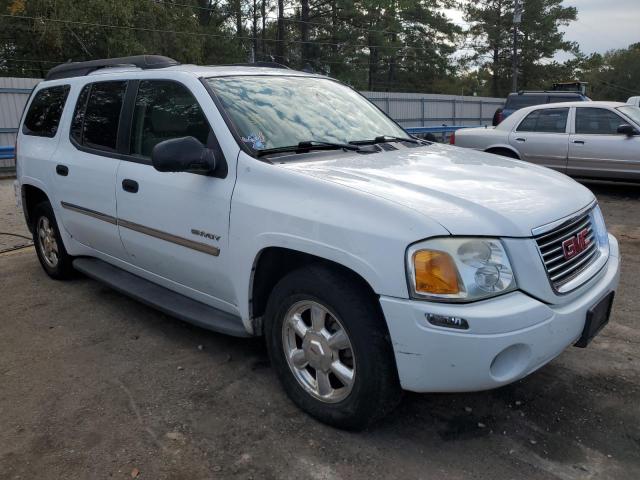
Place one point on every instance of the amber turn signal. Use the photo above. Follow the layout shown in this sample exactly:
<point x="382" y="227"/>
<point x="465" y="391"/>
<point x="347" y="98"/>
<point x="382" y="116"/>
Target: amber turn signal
<point x="435" y="272"/>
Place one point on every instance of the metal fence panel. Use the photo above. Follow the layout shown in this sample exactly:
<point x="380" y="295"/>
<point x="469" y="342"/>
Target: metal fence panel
<point x="425" y="110"/>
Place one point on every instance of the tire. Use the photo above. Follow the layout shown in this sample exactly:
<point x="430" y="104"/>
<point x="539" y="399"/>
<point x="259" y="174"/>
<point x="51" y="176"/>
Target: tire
<point x="343" y="305"/>
<point x="53" y="257"/>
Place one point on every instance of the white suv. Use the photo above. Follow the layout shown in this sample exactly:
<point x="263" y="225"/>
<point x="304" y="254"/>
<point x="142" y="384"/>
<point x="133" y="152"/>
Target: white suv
<point x="264" y="201"/>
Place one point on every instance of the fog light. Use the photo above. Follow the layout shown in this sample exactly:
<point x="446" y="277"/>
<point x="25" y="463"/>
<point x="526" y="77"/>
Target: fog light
<point x="447" y="322"/>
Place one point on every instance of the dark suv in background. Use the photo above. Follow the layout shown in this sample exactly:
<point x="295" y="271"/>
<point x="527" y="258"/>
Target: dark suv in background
<point x="561" y="92"/>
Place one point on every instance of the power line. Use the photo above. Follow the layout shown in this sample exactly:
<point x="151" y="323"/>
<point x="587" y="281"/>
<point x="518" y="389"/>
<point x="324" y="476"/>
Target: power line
<point x="619" y="88"/>
<point x="319" y="61"/>
<point x="202" y="34"/>
<point x="295" y="20"/>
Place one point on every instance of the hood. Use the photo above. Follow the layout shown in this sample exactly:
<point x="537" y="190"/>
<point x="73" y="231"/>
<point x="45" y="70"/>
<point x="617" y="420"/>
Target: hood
<point x="467" y="192"/>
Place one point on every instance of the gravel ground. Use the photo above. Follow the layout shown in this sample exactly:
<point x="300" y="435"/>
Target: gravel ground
<point x="11" y="220"/>
<point x="94" y="385"/>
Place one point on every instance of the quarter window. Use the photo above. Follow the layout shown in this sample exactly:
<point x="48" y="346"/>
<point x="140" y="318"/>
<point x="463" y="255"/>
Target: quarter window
<point x="165" y="110"/>
<point x="78" y="114"/>
<point x="597" y="121"/>
<point x="97" y="115"/>
<point x="549" y="120"/>
<point x="43" y="117"/>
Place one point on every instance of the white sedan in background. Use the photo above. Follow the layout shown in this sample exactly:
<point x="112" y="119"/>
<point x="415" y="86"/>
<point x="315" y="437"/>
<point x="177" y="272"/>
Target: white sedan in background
<point x="581" y="139"/>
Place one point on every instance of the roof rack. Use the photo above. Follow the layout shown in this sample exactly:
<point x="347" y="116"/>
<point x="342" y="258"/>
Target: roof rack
<point x="522" y="92"/>
<point x="259" y="64"/>
<point x="80" y="69"/>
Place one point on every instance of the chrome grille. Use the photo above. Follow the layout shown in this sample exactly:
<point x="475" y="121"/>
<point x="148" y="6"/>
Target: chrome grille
<point x="560" y="270"/>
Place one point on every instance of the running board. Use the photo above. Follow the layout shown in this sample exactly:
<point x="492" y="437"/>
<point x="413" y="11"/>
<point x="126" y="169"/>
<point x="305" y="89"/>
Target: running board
<point x="161" y="298"/>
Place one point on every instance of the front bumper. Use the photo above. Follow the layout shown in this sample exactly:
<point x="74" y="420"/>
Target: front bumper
<point x="509" y="336"/>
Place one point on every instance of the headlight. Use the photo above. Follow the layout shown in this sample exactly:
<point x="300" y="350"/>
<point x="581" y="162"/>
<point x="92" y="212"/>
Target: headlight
<point x="600" y="231"/>
<point x="459" y="269"/>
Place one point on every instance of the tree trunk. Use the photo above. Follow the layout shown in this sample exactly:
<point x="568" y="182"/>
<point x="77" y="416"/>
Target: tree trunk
<point x="204" y="12"/>
<point x="263" y="13"/>
<point x="392" y="60"/>
<point x="495" y="77"/>
<point x="238" y="12"/>
<point x="373" y="53"/>
<point x="280" y="37"/>
<point x="254" y="32"/>
<point x="373" y="63"/>
<point x="304" y="33"/>
<point x="334" y="28"/>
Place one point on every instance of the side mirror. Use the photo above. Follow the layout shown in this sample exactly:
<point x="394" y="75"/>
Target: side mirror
<point x="628" y="130"/>
<point x="185" y="154"/>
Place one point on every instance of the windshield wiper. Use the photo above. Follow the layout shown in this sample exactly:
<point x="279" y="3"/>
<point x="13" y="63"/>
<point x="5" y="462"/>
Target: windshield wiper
<point x="307" y="146"/>
<point x="385" y="139"/>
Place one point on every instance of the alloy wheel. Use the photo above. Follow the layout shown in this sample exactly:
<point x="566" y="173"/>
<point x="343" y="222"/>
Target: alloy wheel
<point x="47" y="242"/>
<point x="318" y="351"/>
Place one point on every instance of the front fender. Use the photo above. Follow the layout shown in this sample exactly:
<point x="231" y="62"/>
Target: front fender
<point x="274" y="207"/>
<point x="323" y="250"/>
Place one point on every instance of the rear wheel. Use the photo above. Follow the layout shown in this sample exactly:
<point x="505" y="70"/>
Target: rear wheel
<point x="329" y="345"/>
<point x="49" y="247"/>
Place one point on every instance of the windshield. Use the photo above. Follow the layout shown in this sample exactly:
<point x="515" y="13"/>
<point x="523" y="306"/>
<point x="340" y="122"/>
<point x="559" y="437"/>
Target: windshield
<point x="632" y="112"/>
<point x="280" y="111"/>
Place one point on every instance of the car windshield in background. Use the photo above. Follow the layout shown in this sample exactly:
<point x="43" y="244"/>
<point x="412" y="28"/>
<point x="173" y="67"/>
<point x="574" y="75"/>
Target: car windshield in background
<point x="280" y="111"/>
<point x="631" y="112"/>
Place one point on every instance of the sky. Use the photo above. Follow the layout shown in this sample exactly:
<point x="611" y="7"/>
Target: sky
<point x="602" y="24"/>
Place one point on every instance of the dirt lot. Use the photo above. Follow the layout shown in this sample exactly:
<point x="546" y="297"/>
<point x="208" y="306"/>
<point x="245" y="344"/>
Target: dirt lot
<point x="94" y="385"/>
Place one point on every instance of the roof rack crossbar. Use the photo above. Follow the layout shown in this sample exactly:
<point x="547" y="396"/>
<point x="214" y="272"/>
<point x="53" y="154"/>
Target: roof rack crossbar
<point x="80" y="69"/>
<point x="257" y="64"/>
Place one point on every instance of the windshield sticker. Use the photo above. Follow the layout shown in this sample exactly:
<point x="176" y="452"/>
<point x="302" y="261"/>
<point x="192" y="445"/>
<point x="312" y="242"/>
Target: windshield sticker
<point x="256" y="140"/>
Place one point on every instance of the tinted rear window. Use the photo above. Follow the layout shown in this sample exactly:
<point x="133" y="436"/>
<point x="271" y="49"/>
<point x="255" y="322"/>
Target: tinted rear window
<point x="516" y="102"/>
<point x="96" y="124"/>
<point x="564" y="98"/>
<point x="549" y="120"/>
<point x="44" y="113"/>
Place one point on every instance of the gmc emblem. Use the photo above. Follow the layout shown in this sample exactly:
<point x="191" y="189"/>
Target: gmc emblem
<point x="574" y="245"/>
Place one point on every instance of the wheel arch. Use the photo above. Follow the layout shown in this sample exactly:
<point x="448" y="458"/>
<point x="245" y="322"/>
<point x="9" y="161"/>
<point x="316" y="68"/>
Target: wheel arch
<point x="31" y="196"/>
<point x="271" y="264"/>
<point x="496" y="149"/>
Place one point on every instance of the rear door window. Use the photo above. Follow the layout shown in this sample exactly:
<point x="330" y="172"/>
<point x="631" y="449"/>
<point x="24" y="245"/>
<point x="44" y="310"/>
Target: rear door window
<point x="43" y="117"/>
<point x="597" y="121"/>
<point x="163" y="110"/>
<point x="548" y="120"/>
<point x="97" y="115"/>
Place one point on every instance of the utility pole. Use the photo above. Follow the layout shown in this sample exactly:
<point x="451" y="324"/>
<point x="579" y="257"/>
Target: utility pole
<point x="517" y="20"/>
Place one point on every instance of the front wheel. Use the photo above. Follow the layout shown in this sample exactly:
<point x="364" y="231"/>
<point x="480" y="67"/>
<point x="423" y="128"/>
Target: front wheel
<point x="329" y="345"/>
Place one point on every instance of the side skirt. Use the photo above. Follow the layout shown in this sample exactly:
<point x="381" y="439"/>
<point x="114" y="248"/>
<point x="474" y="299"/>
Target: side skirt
<point x="161" y="298"/>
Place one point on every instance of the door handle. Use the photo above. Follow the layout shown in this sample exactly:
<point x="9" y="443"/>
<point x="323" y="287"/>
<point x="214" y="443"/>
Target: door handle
<point x="130" y="186"/>
<point x="520" y="139"/>
<point x="579" y="142"/>
<point x="62" y="170"/>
